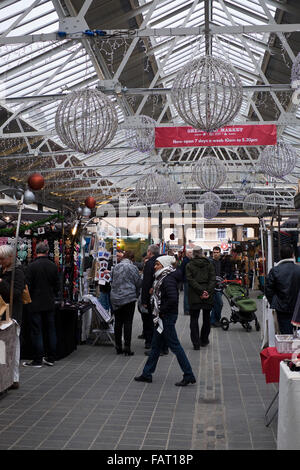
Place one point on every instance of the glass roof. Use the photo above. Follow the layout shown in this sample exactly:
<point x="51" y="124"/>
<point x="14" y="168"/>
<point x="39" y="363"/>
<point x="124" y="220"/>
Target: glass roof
<point x="56" y="67"/>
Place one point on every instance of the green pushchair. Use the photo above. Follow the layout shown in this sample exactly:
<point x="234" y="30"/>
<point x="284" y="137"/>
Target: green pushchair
<point x="242" y="307"/>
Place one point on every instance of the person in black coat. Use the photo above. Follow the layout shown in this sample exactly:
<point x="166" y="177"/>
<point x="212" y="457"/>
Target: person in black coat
<point x="182" y="267"/>
<point x="147" y="283"/>
<point x="6" y="261"/>
<point x="165" y="312"/>
<point x="282" y="288"/>
<point x="43" y="283"/>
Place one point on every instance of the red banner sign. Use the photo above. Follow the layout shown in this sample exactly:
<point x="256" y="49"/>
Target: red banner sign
<point x="227" y="136"/>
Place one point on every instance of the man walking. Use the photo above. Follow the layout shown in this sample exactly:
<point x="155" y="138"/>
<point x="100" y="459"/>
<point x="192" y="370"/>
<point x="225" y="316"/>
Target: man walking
<point x="282" y="288"/>
<point x="201" y="277"/>
<point x="215" y="315"/>
<point x="43" y="283"/>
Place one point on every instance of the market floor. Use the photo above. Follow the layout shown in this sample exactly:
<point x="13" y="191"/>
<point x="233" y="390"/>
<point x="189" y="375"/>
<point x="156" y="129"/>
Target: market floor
<point x="89" y="400"/>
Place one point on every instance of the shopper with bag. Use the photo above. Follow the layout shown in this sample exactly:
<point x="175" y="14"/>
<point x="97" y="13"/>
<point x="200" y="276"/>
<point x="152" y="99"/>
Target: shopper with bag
<point x="6" y="262"/>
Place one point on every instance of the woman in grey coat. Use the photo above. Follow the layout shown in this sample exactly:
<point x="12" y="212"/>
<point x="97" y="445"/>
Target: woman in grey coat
<point x="125" y="288"/>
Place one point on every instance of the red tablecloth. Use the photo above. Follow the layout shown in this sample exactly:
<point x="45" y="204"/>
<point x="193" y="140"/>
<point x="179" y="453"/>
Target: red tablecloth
<point x="270" y="362"/>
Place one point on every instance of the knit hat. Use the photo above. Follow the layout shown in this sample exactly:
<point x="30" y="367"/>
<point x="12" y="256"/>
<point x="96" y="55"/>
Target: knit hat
<point x="197" y="251"/>
<point x="166" y="261"/>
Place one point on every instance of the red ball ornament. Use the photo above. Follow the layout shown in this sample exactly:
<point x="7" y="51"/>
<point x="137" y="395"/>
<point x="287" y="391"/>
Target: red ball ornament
<point x="90" y="202"/>
<point x="36" y="181"/>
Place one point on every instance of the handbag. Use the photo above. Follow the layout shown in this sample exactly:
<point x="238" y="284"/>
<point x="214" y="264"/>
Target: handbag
<point x="4" y="311"/>
<point x="26" y="299"/>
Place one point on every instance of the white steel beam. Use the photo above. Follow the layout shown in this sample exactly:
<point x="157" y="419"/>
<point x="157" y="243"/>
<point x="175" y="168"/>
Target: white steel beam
<point x="160" y="32"/>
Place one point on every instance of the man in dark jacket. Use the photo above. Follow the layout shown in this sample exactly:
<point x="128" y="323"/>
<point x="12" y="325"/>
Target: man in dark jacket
<point x="165" y="312"/>
<point x="282" y="288"/>
<point x="43" y="283"/>
<point x="201" y="276"/>
<point x="148" y="278"/>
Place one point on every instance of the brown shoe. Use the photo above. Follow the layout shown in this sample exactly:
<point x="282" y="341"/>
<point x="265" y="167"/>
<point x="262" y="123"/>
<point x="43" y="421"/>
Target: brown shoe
<point x="14" y="386"/>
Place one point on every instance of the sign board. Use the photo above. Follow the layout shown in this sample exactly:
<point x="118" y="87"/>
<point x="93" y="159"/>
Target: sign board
<point x="227" y="136"/>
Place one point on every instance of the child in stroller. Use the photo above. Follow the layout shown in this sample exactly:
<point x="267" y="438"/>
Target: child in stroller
<point x="242" y="307"/>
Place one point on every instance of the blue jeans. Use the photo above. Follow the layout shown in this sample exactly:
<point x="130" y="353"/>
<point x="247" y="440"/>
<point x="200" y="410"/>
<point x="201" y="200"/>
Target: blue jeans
<point x="186" y="307"/>
<point x="284" y="323"/>
<point x="170" y="336"/>
<point x="215" y="314"/>
<point x="38" y="321"/>
<point x="104" y="300"/>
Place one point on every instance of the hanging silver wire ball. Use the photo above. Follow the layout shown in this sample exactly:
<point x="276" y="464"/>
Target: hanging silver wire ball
<point x="243" y="188"/>
<point x="207" y="93"/>
<point x="150" y="189"/>
<point x="212" y="204"/>
<point x="278" y="160"/>
<point x="140" y="133"/>
<point x="255" y="205"/>
<point x="86" y="120"/>
<point x="173" y="193"/>
<point x="209" y="173"/>
<point x="295" y="75"/>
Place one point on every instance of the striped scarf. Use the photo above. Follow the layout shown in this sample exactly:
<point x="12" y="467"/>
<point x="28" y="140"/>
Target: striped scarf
<point x="156" y="296"/>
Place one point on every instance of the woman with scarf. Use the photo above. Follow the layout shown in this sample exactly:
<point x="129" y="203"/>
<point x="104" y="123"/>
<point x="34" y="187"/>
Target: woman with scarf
<point x="165" y="312"/>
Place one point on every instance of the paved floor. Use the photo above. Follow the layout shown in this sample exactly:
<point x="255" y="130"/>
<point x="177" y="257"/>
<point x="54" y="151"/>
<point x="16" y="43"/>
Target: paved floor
<point x="89" y="400"/>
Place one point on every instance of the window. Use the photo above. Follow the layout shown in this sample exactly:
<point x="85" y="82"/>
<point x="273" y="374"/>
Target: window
<point x="199" y="233"/>
<point x="221" y="233"/>
<point x="245" y="232"/>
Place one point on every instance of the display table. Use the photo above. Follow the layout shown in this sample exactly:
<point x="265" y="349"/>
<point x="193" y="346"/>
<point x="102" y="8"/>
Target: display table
<point x="288" y="433"/>
<point x="67" y="323"/>
<point x="8" y="337"/>
<point x="270" y="364"/>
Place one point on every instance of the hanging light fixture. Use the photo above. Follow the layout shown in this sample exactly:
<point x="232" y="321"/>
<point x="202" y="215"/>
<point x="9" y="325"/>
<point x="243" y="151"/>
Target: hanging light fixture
<point x="207" y="93"/>
<point x="242" y="188"/>
<point x="151" y="188"/>
<point x="278" y="160"/>
<point x="86" y="120"/>
<point x="212" y="204"/>
<point x="140" y="133"/>
<point x="173" y="193"/>
<point x="209" y="173"/>
<point x="295" y="75"/>
<point x="255" y="205"/>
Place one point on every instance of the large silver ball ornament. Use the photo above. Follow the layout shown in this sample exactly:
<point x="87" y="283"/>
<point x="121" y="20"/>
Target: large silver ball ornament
<point x="255" y="205"/>
<point x="207" y="93"/>
<point x="209" y="173"/>
<point x="212" y="204"/>
<point x="86" y="120"/>
<point x="278" y="160"/>
<point x="140" y="133"/>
